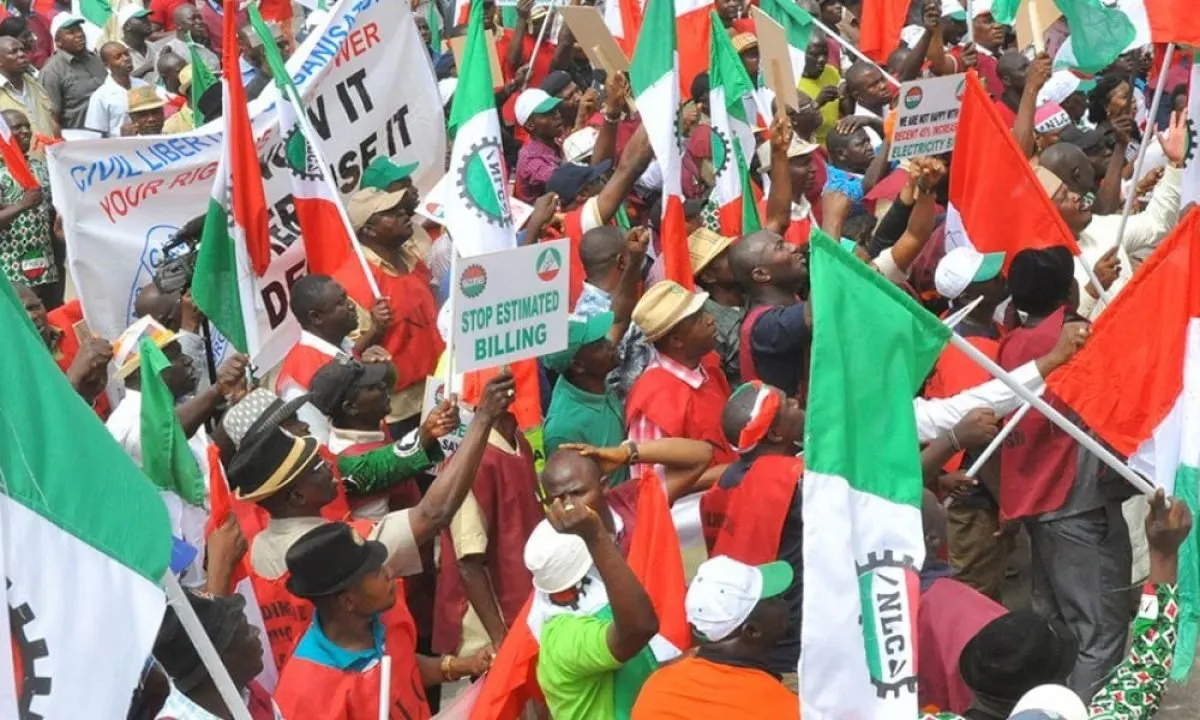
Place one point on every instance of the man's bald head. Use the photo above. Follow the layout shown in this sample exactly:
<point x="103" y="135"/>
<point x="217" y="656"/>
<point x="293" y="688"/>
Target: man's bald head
<point x="1071" y="165"/>
<point x="1011" y="67"/>
<point x="747" y="253"/>
<point x="163" y="307"/>
<point x="599" y="250"/>
<point x="109" y="50"/>
<point x="184" y="15"/>
<point x="567" y="472"/>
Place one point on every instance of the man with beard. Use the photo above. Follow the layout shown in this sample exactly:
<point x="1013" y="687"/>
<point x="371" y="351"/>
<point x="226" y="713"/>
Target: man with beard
<point x="134" y="22"/>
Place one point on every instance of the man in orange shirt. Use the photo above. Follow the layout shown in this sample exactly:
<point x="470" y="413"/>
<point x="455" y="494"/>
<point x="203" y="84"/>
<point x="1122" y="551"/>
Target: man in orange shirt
<point x="739" y="612"/>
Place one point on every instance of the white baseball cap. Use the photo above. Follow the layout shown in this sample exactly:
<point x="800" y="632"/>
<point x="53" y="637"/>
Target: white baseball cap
<point x="962" y="266"/>
<point x="1050" y="701"/>
<point x="725" y="592"/>
<point x="64" y="20"/>
<point x="129" y="12"/>
<point x="578" y="146"/>
<point x="557" y="561"/>
<point x="534" y="102"/>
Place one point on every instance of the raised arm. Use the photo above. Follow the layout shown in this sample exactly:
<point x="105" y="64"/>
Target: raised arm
<point x="445" y="495"/>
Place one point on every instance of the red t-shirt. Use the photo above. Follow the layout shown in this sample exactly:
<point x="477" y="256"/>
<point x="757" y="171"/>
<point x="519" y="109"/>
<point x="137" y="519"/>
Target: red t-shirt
<point x="162" y="12"/>
<point x="987" y="69"/>
<point x="541" y="66"/>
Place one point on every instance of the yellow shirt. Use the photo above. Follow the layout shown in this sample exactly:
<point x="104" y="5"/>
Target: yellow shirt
<point x="34" y="103"/>
<point x="812" y="87"/>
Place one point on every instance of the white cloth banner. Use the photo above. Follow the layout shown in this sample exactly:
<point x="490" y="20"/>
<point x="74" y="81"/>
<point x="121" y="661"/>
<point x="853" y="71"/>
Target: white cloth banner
<point x="370" y="92"/>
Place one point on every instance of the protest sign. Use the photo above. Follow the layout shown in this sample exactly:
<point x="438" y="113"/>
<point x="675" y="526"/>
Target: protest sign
<point x="121" y="199"/>
<point x="776" y="58"/>
<point x="510" y="305"/>
<point x="594" y="37"/>
<point x="435" y="393"/>
<point x="927" y="116"/>
<point x="459" y="44"/>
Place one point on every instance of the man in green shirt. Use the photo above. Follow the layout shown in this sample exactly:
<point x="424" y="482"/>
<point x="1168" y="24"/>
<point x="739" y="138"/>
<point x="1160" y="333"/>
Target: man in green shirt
<point x="582" y="409"/>
<point x="594" y="644"/>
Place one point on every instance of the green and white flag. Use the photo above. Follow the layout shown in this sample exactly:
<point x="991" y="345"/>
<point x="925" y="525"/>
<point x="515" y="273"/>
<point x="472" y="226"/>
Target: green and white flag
<point x="863" y="542"/>
<point x="166" y="458"/>
<point x="731" y="107"/>
<point x="478" y="215"/>
<point x="85" y="541"/>
<point x="1101" y="30"/>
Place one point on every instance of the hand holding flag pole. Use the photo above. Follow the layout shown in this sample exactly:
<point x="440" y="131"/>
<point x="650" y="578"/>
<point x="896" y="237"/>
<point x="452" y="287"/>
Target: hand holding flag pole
<point x="994" y="445"/>
<point x="1087" y="441"/>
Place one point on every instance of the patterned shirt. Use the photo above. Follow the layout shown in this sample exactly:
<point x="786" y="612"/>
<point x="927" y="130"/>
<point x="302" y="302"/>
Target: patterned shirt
<point x="1137" y="685"/>
<point x="536" y="162"/>
<point x="25" y="250"/>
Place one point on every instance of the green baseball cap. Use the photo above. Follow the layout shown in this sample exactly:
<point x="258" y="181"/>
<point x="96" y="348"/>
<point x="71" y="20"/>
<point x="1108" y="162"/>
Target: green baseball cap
<point x="382" y="172"/>
<point x="580" y="331"/>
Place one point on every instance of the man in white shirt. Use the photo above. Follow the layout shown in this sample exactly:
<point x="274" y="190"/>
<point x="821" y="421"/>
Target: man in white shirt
<point x="1098" y="234"/>
<point x="108" y="109"/>
<point x="125" y="422"/>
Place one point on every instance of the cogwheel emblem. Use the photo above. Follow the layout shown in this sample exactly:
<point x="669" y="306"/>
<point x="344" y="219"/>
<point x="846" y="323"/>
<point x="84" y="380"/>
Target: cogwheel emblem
<point x="27" y="650"/>
<point x="722" y="150"/>
<point x="888" y="589"/>
<point x="481" y="182"/>
<point x="1192" y="141"/>
<point x="299" y="157"/>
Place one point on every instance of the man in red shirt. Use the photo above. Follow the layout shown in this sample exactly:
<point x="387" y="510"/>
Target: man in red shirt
<point x="82" y="356"/>
<point x="752" y="514"/>
<point x="683" y="391"/>
<point x="408" y="330"/>
<point x="162" y="14"/>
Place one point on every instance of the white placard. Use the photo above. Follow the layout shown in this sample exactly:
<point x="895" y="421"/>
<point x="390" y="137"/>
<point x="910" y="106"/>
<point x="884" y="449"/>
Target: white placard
<point x="435" y="393"/>
<point x="927" y="116"/>
<point x="511" y="305"/>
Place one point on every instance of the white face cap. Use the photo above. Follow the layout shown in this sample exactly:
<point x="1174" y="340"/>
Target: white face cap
<point x="556" y="560"/>
<point x="725" y="592"/>
<point x="962" y="266"/>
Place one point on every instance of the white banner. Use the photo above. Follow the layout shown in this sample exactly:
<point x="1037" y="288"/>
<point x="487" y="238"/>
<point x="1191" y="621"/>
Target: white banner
<point x="121" y="199"/>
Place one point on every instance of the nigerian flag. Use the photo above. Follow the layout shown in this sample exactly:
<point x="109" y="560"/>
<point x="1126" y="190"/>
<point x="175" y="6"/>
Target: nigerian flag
<point x="235" y="248"/>
<point x="478" y="216"/>
<point x="731" y="107"/>
<point x="86" y="540"/>
<point x="1100" y="31"/>
<point x="863" y="542"/>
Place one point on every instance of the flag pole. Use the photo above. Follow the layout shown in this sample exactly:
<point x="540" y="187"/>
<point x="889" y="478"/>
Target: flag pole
<point x="546" y="22"/>
<point x="453" y="320"/>
<point x="204" y="648"/>
<point x="961" y="314"/>
<point x="1035" y="26"/>
<point x="1087" y="441"/>
<point x="854" y="51"/>
<point x="310" y="136"/>
<point x="994" y="445"/>
<point x="970" y="21"/>
<point x="1146" y="136"/>
<point x="385" y="687"/>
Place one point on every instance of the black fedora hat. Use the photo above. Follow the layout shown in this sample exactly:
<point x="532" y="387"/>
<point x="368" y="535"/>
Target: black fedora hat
<point x="1015" y="653"/>
<point x="329" y="559"/>
<point x="269" y="463"/>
